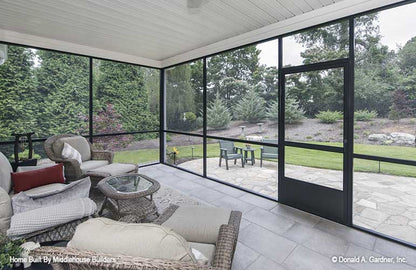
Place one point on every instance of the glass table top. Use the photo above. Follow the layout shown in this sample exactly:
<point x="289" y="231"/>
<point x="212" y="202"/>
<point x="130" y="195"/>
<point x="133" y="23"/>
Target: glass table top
<point x="129" y="183"/>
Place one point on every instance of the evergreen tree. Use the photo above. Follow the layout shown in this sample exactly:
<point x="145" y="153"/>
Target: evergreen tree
<point x="218" y="115"/>
<point x="122" y="85"/>
<point x="18" y="100"/>
<point x="179" y="96"/>
<point x="63" y="84"/>
<point x="293" y="113"/>
<point x="251" y="108"/>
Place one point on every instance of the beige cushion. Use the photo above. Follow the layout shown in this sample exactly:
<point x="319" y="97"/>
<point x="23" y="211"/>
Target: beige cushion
<point x="92" y="164"/>
<point x="78" y="142"/>
<point x="115" y="169"/>
<point x="208" y="250"/>
<point x="46" y="189"/>
<point x="131" y="239"/>
<point x="5" y="170"/>
<point x="197" y="223"/>
<point x="5" y="211"/>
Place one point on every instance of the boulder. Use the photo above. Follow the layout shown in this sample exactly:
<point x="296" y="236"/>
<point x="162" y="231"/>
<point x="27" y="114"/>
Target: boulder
<point x="402" y="138"/>
<point x="377" y="137"/>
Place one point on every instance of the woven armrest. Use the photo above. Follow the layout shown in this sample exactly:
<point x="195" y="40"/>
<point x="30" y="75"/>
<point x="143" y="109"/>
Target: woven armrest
<point x="166" y="214"/>
<point x="102" y="155"/>
<point x="119" y="262"/>
<point x="225" y="247"/>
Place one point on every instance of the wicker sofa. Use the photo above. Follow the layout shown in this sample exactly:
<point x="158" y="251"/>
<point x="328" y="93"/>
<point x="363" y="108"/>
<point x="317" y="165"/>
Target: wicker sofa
<point x="222" y="257"/>
<point x="92" y="159"/>
<point x="60" y="232"/>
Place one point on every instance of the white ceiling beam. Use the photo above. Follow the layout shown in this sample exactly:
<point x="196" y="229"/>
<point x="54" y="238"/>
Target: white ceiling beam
<point x="332" y="12"/>
<point x="53" y="44"/>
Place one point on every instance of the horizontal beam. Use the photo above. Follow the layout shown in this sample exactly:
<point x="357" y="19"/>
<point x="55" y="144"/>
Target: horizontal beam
<point x="63" y="46"/>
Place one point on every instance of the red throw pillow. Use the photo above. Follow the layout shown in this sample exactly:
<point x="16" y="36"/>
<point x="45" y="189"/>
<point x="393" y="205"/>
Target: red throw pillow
<point x="27" y="180"/>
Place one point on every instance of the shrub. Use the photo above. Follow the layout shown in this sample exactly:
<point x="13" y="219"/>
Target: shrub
<point x="251" y="108"/>
<point x="293" y="113"/>
<point x="25" y="155"/>
<point x="218" y="115"/>
<point x="189" y="116"/>
<point x="199" y="122"/>
<point x="329" y="117"/>
<point x="364" y="115"/>
<point x="9" y="249"/>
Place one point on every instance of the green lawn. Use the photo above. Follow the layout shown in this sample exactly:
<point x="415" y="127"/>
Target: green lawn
<point x="299" y="156"/>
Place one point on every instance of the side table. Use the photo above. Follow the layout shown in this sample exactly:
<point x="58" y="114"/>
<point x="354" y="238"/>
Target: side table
<point x="252" y="158"/>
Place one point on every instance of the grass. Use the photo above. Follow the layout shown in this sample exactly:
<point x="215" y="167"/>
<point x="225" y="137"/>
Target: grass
<point x="299" y="156"/>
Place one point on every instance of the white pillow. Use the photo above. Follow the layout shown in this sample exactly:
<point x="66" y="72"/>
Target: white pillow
<point x="69" y="152"/>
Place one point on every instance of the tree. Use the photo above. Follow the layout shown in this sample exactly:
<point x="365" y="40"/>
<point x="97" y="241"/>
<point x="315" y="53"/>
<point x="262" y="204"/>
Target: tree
<point x="107" y="121"/>
<point x="123" y="86"/>
<point x="63" y="84"/>
<point x="267" y="87"/>
<point x="180" y="96"/>
<point x="251" y="108"/>
<point x="234" y="68"/>
<point x="18" y="100"/>
<point x="293" y="113"/>
<point x="218" y="115"/>
<point x="401" y="106"/>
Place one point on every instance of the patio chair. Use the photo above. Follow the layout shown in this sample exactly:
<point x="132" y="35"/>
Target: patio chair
<point x="58" y="230"/>
<point x="268" y="152"/>
<point x="229" y="151"/>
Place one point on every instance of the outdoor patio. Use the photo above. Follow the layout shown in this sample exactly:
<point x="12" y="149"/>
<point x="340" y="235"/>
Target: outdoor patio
<point x="383" y="203"/>
<point x="275" y="236"/>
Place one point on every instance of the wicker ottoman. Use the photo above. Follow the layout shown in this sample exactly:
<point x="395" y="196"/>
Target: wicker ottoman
<point x="111" y="170"/>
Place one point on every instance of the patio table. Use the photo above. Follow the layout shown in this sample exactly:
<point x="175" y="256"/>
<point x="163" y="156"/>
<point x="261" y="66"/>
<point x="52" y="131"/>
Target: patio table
<point x="128" y="195"/>
<point x="252" y="158"/>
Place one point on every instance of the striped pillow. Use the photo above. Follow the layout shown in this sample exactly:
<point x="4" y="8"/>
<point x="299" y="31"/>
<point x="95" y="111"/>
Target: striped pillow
<point x="69" y="152"/>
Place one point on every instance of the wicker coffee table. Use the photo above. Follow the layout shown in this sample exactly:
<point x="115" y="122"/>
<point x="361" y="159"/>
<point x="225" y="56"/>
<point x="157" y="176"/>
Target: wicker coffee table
<point x="129" y="195"/>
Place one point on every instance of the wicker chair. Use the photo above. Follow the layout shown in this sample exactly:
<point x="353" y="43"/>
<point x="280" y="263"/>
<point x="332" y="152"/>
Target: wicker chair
<point x="73" y="170"/>
<point x="223" y="257"/>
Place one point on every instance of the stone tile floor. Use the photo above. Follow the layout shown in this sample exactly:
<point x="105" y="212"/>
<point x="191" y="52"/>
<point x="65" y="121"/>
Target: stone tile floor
<point x="274" y="236"/>
<point x="383" y="203"/>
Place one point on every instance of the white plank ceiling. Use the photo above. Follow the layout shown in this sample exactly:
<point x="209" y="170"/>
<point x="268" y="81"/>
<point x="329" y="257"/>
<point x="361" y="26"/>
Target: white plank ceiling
<point x="146" y="31"/>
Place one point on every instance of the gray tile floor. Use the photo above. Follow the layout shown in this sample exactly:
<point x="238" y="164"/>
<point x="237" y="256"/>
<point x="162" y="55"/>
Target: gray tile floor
<point x="274" y="236"/>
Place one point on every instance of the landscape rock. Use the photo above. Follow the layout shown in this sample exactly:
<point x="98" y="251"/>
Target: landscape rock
<point x="377" y="137"/>
<point x="393" y="138"/>
<point x="403" y="138"/>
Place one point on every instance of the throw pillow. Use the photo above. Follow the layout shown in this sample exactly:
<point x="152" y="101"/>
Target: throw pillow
<point x="69" y="152"/>
<point x="37" y="198"/>
<point x="27" y="180"/>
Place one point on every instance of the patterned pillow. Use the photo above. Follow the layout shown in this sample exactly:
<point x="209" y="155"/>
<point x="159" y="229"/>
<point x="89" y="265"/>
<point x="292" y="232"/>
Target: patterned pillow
<point x="70" y="152"/>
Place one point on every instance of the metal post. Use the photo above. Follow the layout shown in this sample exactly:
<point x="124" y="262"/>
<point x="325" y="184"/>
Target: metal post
<point x="91" y="96"/>
<point x="162" y="138"/>
<point x="281" y="123"/>
<point x="204" y="116"/>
